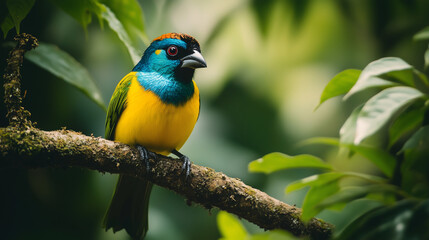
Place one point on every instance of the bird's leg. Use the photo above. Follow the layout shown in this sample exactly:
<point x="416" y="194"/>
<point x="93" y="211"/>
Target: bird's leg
<point x="186" y="167"/>
<point x="146" y="155"/>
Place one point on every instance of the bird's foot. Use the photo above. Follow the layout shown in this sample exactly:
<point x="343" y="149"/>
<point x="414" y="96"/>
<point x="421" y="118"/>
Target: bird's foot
<point x="146" y="155"/>
<point x="186" y="167"/>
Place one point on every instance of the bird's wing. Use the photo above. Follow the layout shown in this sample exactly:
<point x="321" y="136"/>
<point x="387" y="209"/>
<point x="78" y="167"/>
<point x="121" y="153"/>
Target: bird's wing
<point x="117" y="105"/>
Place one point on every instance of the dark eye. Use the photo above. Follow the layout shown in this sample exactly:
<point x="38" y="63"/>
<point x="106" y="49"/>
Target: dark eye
<point x="172" y="50"/>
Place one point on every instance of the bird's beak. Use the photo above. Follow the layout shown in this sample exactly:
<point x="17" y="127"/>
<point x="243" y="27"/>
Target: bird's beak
<point x="194" y="60"/>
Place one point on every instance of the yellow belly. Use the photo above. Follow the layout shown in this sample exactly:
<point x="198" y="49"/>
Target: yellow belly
<point x="149" y="122"/>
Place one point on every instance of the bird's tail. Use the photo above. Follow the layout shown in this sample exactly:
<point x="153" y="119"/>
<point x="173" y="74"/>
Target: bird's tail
<point x="129" y="207"/>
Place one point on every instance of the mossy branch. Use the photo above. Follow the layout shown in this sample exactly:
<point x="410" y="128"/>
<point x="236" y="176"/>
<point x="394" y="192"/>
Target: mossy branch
<point x="24" y="146"/>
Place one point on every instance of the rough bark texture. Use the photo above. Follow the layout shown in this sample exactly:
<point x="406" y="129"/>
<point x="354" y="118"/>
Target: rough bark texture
<point x="22" y="145"/>
<point x="34" y="148"/>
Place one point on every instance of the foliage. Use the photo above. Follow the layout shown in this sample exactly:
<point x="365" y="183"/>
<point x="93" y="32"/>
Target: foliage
<point x="389" y="129"/>
<point x="125" y="18"/>
<point x="232" y="229"/>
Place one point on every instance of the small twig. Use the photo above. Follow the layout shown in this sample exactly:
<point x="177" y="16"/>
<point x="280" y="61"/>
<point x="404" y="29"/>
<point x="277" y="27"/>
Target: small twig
<point x="17" y="115"/>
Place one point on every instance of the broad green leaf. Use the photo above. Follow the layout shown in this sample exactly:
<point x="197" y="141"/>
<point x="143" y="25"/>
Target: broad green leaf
<point x="80" y="10"/>
<point x="418" y="139"/>
<point x="119" y="29"/>
<point x="348" y="130"/>
<point x="369" y="78"/>
<point x="320" y="179"/>
<point x="278" y="161"/>
<point x="349" y="194"/>
<point x="64" y="66"/>
<point x="340" y="84"/>
<point x="382" y="159"/>
<point x="422" y="35"/>
<point x="404" y="124"/>
<point x="130" y="14"/>
<point x="18" y="10"/>
<point x="315" y="180"/>
<point x="230" y="227"/>
<point x="405" y="220"/>
<point x="381" y="108"/>
<point x="316" y="195"/>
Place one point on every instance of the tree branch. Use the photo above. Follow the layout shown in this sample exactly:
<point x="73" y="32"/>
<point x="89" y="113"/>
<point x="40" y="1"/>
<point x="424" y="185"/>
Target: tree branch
<point x="23" y="146"/>
<point x="34" y="148"/>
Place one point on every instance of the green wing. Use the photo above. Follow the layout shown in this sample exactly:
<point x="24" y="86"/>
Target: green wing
<point x="117" y="104"/>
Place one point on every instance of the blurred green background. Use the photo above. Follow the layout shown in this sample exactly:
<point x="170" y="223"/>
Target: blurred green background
<point x="268" y="62"/>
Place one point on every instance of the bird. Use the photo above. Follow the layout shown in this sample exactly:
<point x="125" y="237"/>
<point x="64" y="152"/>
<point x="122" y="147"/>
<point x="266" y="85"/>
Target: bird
<point x="153" y="108"/>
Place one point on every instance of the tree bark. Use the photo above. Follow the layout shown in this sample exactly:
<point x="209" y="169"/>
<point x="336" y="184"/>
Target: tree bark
<point x="24" y="146"/>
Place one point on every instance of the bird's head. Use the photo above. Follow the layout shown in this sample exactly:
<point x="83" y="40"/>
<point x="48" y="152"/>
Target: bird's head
<point x="172" y="55"/>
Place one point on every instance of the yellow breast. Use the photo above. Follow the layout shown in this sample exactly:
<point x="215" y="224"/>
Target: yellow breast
<point x="149" y="122"/>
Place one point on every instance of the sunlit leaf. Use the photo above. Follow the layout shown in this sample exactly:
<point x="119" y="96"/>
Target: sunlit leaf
<point x="404" y="124"/>
<point x="348" y="130"/>
<point x="119" y="29"/>
<point x="340" y="84"/>
<point x="405" y="220"/>
<point x="65" y="67"/>
<point x="422" y="35"/>
<point x="230" y="227"/>
<point x="369" y="76"/>
<point x="279" y="161"/>
<point x="381" y="108"/>
<point x="18" y="10"/>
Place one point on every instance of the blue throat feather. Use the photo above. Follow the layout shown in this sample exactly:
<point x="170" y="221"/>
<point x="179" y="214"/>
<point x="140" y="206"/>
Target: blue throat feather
<point x="169" y="91"/>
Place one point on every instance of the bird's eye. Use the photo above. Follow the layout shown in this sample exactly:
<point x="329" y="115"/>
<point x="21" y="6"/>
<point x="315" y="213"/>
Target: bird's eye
<point x="172" y="50"/>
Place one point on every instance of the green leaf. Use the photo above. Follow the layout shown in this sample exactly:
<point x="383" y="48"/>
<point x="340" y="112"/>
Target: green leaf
<point x="130" y="14"/>
<point x="18" y="10"/>
<point x="348" y="130"/>
<point x="230" y="227"/>
<point x="405" y="123"/>
<point x="405" y="220"/>
<point x="382" y="159"/>
<point x="320" y="179"/>
<point x="80" y="10"/>
<point x="369" y="78"/>
<point x="422" y="35"/>
<point x="427" y="58"/>
<point x="418" y="139"/>
<point x="381" y="108"/>
<point x="340" y="84"/>
<point x="64" y="66"/>
<point x="316" y="195"/>
<point x="6" y="25"/>
<point x="278" y="161"/>
<point x="119" y="29"/>
<point x="349" y="194"/>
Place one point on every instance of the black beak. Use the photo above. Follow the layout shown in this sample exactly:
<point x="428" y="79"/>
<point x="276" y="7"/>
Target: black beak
<point x="194" y="60"/>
